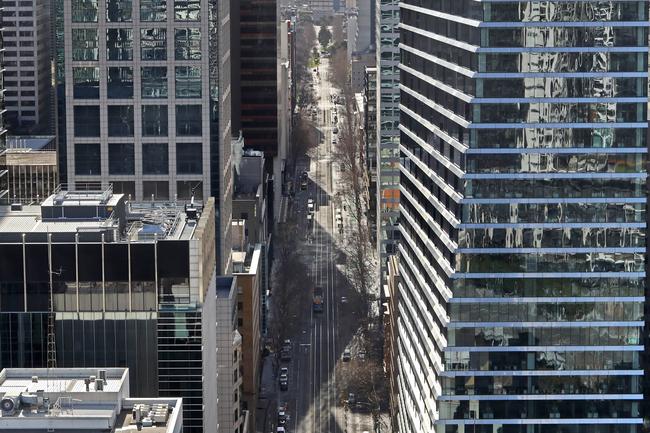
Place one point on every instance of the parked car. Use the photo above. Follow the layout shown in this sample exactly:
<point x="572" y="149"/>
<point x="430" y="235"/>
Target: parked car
<point x="347" y="355"/>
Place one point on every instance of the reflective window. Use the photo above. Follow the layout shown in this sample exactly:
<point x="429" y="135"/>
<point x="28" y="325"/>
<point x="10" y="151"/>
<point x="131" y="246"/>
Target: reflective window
<point x="87" y="159"/>
<point x="121" y="158"/>
<point x="86" y="121"/>
<point x="154" y="120"/>
<point x="86" y="83"/>
<point x="153" y="43"/>
<point x="187" y="10"/>
<point x="188" y="120"/>
<point x="84" y="11"/>
<point x="155" y="158"/>
<point x="188" y="81"/>
<point x="153" y="10"/>
<point x="154" y="82"/>
<point x="189" y="158"/>
<point x="120" y="120"/>
<point x="186" y="189"/>
<point x="188" y="44"/>
<point x="123" y="187"/>
<point x="120" y="83"/>
<point x="119" y="44"/>
<point x="85" y="44"/>
<point x="118" y="11"/>
<point x="159" y="190"/>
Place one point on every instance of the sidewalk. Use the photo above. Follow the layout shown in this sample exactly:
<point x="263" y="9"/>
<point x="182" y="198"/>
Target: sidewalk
<point x="267" y="402"/>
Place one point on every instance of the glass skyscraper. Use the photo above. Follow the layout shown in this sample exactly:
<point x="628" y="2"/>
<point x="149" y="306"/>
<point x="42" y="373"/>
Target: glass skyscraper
<point x="387" y="151"/>
<point x="522" y="215"/>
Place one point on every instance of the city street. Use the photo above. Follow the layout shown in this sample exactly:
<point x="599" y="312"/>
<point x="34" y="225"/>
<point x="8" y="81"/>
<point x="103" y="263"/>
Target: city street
<point x="315" y="400"/>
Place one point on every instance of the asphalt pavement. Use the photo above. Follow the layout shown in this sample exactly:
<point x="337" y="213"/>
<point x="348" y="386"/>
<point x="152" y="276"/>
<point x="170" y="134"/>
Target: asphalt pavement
<point x="314" y="400"/>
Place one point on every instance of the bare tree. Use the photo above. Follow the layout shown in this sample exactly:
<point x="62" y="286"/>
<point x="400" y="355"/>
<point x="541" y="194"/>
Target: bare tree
<point x="288" y="294"/>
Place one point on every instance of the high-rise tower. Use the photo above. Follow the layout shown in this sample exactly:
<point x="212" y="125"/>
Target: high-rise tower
<point x="147" y="100"/>
<point x="523" y="215"/>
<point x="387" y="146"/>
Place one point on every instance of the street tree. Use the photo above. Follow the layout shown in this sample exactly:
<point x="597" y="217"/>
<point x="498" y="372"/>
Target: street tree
<point x="324" y="36"/>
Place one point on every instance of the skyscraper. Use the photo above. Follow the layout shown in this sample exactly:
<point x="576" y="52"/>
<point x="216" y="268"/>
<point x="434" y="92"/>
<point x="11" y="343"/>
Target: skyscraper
<point x="387" y="152"/>
<point x="523" y="215"/>
<point x="255" y="103"/>
<point x="4" y="187"/>
<point x="28" y="66"/>
<point x="147" y="99"/>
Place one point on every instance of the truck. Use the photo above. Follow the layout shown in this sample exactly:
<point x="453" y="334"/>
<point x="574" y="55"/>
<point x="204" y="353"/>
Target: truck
<point x="318" y="299"/>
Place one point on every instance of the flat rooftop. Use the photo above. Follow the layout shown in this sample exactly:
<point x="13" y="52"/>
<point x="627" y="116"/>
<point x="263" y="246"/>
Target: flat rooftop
<point x="69" y="399"/>
<point x="90" y="212"/>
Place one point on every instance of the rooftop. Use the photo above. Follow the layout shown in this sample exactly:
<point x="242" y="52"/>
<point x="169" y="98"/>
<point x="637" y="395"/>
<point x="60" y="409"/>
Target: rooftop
<point x="81" y="400"/>
<point x="93" y="213"/>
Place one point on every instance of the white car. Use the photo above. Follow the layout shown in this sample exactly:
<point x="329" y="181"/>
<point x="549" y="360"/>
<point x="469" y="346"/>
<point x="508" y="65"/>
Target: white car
<point x="310" y="205"/>
<point x="347" y="355"/>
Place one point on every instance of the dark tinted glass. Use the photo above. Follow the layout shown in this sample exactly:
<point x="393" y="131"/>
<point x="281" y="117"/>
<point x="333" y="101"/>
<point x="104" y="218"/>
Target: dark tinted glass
<point x="155" y="159"/>
<point x="86" y="121"/>
<point x="87" y="159"/>
<point x="154" y="120"/>
<point x="189" y="158"/>
<point x="188" y="120"/>
<point x="120" y="121"/>
<point x="121" y="158"/>
<point x="120" y="83"/>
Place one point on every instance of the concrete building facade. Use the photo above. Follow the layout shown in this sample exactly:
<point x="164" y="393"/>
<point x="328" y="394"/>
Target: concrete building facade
<point x="147" y="100"/>
<point x="28" y="66"/>
<point x="32" y="169"/>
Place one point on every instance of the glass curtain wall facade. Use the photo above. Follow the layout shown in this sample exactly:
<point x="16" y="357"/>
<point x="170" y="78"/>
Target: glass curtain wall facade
<point x="258" y="55"/>
<point x="387" y="152"/>
<point x="522" y="215"/>
<point x="4" y="185"/>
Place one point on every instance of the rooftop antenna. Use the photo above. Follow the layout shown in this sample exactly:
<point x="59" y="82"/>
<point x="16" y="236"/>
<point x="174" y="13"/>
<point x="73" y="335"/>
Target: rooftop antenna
<point x="51" y="326"/>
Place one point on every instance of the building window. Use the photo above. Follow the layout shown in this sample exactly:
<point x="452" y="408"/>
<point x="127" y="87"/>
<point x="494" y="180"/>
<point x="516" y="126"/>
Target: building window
<point x="154" y="120"/>
<point x="85" y="44"/>
<point x="155" y="158"/>
<point x="121" y="158"/>
<point x="154" y="82"/>
<point x="187" y="44"/>
<point x="187" y="10"/>
<point x="86" y="121"/>
<point x="119" y="11"/>
<point x="153" y="10"/>
<point x="188" y="81"/>
<point x="84" y="11"/>
<point x="159" y="190"/>
<point x="153" y="43"/>
<point x="188" y="120"/>
<point x="189" y="158"/>
<point x="120" y="83"/>
<point x="120" y="121"/>
<point x="186" y="189"/>
<point x="119" y="44"/>
<point x="86" y="83"/>
<point x="125" y="187"/>
<point x="87" y="159"/>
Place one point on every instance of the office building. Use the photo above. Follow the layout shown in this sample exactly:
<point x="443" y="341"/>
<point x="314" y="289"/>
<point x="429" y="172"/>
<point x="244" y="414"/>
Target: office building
<point x="247" y="270"/>
<point x="322" y="8"/>
<point x="231" y="416"/>
<point x="31" y="164"/>
<point x="81" y="400"/>
<point x="28" y="66"/>
<point x="370" y="130"/>
<point x="129" y="285"/>
<point x="254" y="77"/>
<point x="523" y="216"/>
<point x="147" y="100"/>
<point x="387" y="144"/>
<point x="4" y="188"/>
<point x="390" y="292"/>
